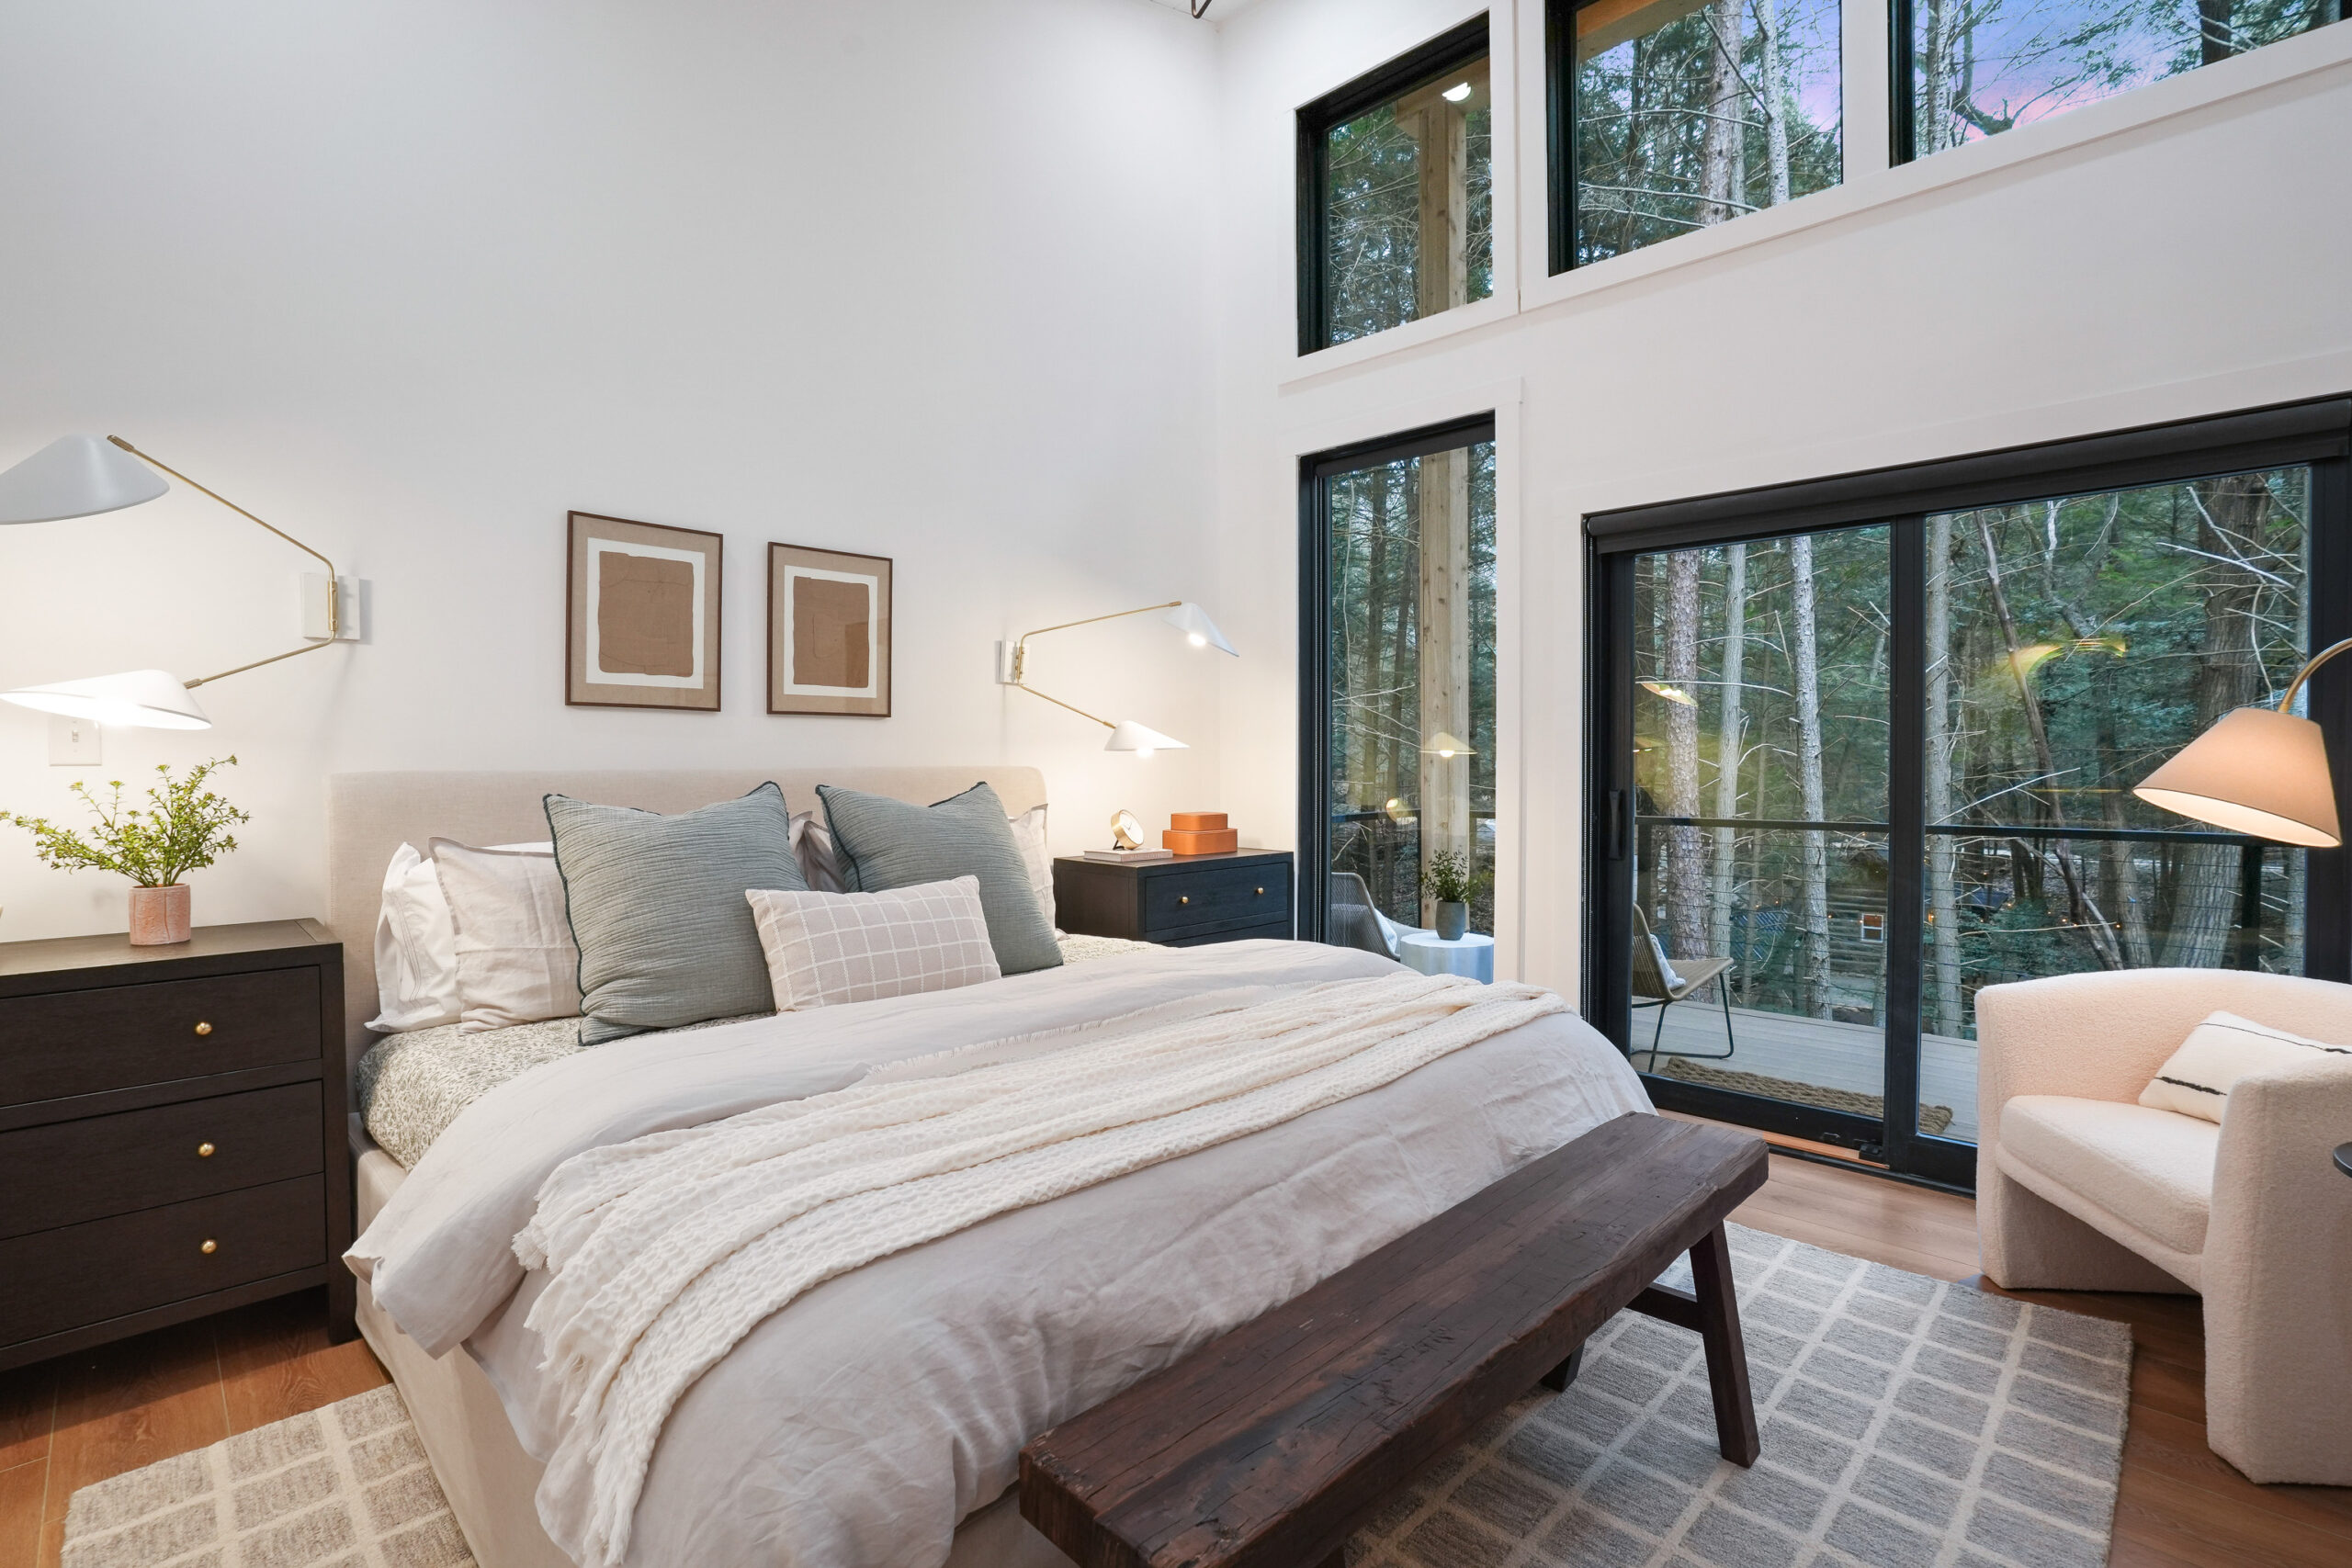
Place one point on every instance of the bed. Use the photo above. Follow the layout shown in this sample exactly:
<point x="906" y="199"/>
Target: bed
<point x="876" y="1418"/>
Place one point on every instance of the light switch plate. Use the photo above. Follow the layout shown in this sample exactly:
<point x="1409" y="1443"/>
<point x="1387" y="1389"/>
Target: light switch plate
<point x="314" y="608"/>
<point x="73" y="742"/>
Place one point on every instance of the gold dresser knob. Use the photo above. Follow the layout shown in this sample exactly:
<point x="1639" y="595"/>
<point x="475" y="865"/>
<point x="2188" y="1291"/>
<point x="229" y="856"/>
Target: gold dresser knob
<point x="204" y="1029"/>
<point x="1184" y="899"/>
<point x="204" y="1151"/>
<point x="209" y="1246"/>
<point x="1261" y="893"/>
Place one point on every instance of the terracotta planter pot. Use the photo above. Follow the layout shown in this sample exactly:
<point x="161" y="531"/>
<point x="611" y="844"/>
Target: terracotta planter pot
<point x="159" y="916"/>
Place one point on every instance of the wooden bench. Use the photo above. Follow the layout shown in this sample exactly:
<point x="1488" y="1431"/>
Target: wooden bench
<point x="1268" y="1446"/>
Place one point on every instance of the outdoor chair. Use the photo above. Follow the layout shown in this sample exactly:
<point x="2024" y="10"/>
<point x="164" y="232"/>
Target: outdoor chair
<point x="1352" y="922"/>
<point x="1651" y="988"/>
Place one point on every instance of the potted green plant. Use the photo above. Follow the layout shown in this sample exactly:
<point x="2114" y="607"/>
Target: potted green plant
<point x="1452" y="884"/>
<point x="184" y="829"/>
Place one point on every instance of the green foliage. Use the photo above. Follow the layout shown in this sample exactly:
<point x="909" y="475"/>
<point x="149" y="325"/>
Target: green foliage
<point x="1450" y="878"/>
<point x="185" y="829"/>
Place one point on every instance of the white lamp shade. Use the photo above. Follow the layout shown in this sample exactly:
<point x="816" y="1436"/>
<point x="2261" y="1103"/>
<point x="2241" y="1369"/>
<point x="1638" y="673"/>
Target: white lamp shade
<point x="144" y="699"/>
<point x="1446" y="743"/>
<point x="2256" y="771"/>
<point x="1128" y="736"/>
<point x="75" y="476"/>
<point x="1195" y="622"/>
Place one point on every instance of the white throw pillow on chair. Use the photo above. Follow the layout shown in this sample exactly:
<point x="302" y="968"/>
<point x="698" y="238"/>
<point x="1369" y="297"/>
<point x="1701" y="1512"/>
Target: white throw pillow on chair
<point x="2195" y="1080"/>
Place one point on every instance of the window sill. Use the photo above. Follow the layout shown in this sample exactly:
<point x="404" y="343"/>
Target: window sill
<point x="1495" y="308"/>
<point x="2329" y="49"/>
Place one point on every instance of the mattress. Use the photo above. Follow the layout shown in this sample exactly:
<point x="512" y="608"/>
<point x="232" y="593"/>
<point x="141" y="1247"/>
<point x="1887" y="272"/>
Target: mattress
<point x="412" y="1086"/>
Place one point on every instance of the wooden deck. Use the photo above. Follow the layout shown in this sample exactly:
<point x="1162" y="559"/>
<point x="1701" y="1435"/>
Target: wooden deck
<point x="1814" y="1051"/>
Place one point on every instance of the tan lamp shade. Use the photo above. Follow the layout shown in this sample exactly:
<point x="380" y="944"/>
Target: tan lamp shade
<point x="2257" y="772"/>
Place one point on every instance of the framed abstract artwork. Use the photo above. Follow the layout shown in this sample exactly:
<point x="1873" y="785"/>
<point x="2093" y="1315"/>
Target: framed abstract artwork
<point x="829" y="632"/>
<point x="641" y="616"/>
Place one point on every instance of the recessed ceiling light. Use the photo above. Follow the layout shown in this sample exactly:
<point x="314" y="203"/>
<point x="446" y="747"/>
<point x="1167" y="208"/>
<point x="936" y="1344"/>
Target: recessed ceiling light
<point x="1456" y="93"/>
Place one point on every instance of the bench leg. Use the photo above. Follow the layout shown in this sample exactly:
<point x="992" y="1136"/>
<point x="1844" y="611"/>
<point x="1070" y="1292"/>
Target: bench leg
<point x="1558" y="1379"/>
<point x="1726" y="1351"/>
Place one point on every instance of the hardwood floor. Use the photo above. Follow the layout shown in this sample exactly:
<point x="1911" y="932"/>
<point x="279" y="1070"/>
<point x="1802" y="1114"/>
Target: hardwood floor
<point x="67" y="1423"/>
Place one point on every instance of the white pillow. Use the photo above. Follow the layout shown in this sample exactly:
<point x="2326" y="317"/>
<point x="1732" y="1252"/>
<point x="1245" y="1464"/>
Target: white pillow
<point x="824" y="947"/>
<point x="1664" y="965"/>
<point x="2195" y="1080"/>
<point x="1029" y="833"/>
<point x="416" y="948"/>
<point x="516" y="962"/>
<point x="812" y="846"/>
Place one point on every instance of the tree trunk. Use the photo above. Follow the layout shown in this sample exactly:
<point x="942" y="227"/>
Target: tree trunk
<point x="1722" y="174"/>
<point x="1813" y="987"/>
<point x="1943" y="906"/>
<point x="1774" y="90"/>
<point x="1686" y="887"/>
<point x="1441" y="625"/>
<point x="2229" y="675"/>
<point x="2082" y="908"/>
<point x="1728" y="746"/>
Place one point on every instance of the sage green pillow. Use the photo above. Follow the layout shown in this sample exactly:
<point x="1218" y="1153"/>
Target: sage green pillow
<point x="657" y="907"/>
<point x="884" y="843"/>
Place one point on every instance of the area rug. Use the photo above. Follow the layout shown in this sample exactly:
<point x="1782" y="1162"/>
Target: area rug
<point x="1908" y="1423"/>
<point x="347" y="1486"/>
<point x="1933" y="1119"/>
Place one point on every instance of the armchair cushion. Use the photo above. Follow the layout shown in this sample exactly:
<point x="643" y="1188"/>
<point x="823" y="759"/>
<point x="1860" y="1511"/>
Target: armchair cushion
<point x="2195" y="1080"/>
<point x="2152" y="1170"/>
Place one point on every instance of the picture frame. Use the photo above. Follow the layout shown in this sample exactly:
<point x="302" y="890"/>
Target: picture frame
<point x="829" y="632"/>
<point x="641" y="614"/>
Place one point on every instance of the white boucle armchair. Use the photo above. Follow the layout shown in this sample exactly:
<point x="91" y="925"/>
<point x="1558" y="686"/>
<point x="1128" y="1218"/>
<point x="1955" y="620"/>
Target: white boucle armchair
<point x="2080" y="1187"/>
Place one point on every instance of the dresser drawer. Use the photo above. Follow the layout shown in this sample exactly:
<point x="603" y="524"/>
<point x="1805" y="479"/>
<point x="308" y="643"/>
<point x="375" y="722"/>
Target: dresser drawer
<point x="69" y="1042"/>
<point x="71" y="1171"/>
<point x="1178" y="901"/>
<point x="105" y="1269"/>
<point x="1273" y="930"/>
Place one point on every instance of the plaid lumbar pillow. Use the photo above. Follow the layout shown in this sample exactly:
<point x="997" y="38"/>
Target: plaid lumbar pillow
<point x="824" y="947"/>
<point x="2197" y="1078"/>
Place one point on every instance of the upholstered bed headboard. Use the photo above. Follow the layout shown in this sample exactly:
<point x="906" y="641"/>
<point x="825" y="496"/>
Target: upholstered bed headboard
<point x="370" y="815"/>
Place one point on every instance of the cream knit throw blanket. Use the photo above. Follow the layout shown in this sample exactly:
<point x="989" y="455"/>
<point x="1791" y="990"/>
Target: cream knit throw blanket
<point x="666" y="1250"/>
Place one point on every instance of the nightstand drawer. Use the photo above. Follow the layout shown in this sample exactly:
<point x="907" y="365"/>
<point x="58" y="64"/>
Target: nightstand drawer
<point x="1273" y="930"/>
<point x="1179" y="901"/>
<point x="70" y="1172"/>
<point x="88" y="1273"/>
<point x="69" y="1042"/>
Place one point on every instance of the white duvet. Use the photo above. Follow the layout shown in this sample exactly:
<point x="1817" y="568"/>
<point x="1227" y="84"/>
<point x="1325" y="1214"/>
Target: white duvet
<point x="863" y="1421"/>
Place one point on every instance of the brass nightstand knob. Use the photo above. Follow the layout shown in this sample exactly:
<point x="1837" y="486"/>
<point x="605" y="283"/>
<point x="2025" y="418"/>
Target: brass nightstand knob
<point x="204" y="1151"/>
<point x="1184" y="899"/>
<point x="209" y="1247"/>
<point x="204" y="1029"/>
<point x="1261" y="893"/>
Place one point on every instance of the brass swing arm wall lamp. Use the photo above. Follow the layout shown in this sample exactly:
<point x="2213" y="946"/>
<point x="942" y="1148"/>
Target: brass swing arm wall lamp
<point x="80" y="475"/>
<point x="1126" y="734"/>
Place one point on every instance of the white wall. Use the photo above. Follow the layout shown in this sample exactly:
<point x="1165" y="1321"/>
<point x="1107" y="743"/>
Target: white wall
<point x="414" y="277"/>
<point x="2172" y="252"/>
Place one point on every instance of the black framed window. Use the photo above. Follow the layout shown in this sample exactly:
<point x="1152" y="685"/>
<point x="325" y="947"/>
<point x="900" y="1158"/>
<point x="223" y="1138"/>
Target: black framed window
<point x="1666" y="117"/>
<point x="1965" y="70"/>
<point x="1397" y="680"/>
<point x="1395" y="193"/>
<point x="1865" y="746"/>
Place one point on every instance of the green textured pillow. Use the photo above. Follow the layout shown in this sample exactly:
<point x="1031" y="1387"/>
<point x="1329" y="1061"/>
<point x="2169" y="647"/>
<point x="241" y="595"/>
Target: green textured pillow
<point x="657" y="907"/>
<point x="886" y="843"/>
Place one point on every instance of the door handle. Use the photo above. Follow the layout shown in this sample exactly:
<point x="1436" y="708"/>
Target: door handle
<point x="1616" y="824"/>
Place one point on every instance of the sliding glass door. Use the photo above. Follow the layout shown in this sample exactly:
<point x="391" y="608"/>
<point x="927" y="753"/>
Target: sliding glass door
<point x="1852" y="774"/>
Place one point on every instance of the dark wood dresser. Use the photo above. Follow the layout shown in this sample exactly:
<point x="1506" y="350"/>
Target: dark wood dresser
<point x="1185" y="902"/>
<point x="171" y="1131"/>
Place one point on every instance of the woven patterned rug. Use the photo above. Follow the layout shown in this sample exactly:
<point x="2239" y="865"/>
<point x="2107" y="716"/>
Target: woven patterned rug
<point x="1933" y="1119"/>
<point x="346" y="1487"/>
<point x="1908" y="1423"/>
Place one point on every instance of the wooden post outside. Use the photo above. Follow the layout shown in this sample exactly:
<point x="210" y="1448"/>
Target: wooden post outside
<point x="1444" y="614"/>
